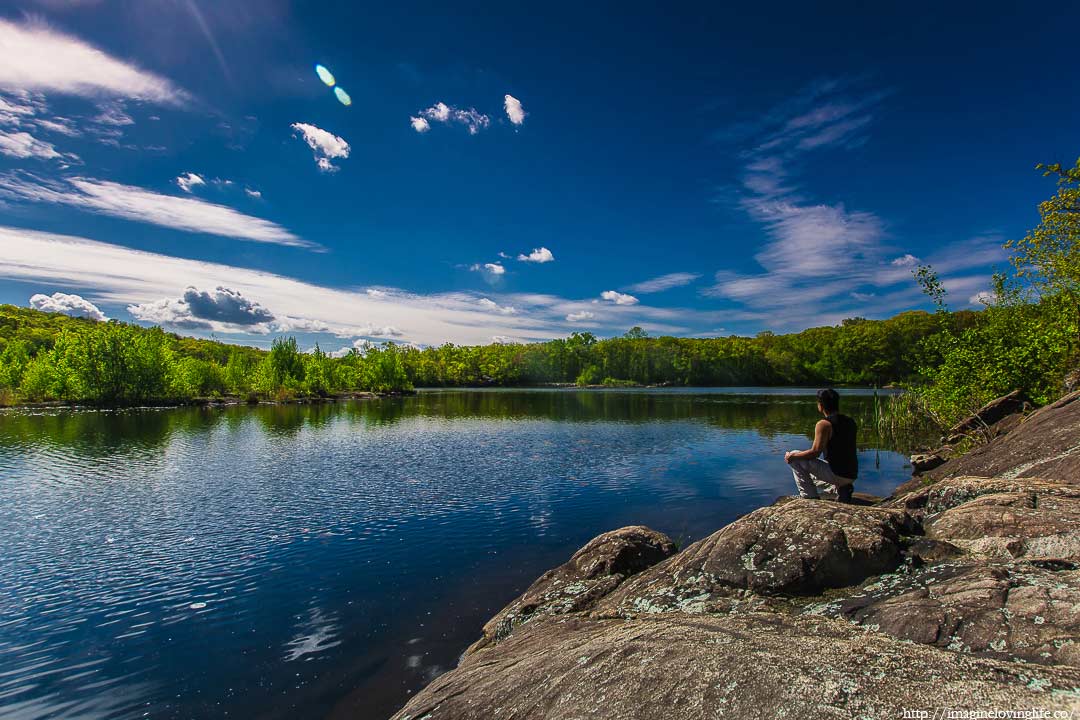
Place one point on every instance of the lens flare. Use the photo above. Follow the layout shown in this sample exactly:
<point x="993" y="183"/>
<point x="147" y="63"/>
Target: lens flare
<point x="325" y="75"/>
<point x="343" y="96"/>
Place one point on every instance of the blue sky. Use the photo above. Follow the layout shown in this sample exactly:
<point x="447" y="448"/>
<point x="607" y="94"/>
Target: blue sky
<point x="517" y="173"/>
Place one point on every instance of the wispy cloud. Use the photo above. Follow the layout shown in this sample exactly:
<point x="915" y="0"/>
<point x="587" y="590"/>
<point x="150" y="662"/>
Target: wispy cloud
<point x="39" y="58"/>
<point x="324" y="144"/>
<point x="137" y="204"/>
<point x="664" y="282"/>
<point x="819" y="257"/>
<point x="23" y="145"/>
<point x="489" y="304"/>
<point x="538" y="255"/>
<point x="580" y="316"/>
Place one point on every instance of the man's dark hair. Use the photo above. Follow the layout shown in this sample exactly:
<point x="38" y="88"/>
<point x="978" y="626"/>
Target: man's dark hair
<point x="829" y="399"/>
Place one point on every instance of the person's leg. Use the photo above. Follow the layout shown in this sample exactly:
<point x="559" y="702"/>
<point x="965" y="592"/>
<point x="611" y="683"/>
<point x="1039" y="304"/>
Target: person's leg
<point x="814" y="477"/>
<point x="804" y="481"/>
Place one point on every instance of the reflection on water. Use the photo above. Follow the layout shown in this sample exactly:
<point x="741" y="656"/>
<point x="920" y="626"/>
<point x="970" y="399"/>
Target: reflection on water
<point x="327" y="560"/>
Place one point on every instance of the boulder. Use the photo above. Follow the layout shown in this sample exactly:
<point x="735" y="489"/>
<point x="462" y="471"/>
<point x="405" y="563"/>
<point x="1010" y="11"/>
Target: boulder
<point x="1014" y="611"/>
<point x="925" y="461"/>
<point x="1009" y="525"/>
<point x="693" y="667"/>
<point x="593" y="572"/>
<point x="797" y="547"/>
<point x="1045" y="444"/>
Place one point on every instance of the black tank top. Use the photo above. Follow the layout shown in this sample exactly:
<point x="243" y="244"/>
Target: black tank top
<point x="841" y="453"/>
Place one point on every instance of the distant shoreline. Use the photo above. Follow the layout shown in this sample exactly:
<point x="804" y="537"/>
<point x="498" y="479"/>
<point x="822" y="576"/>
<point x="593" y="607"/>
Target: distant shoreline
<point x="233" y="400"/>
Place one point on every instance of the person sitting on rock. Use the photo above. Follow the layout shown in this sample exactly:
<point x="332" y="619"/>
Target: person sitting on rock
<point x="835" y="436"/>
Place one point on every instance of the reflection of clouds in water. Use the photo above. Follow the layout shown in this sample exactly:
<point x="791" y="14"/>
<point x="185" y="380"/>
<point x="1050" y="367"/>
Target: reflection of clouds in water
<point x="316" y="634"/>
<point x="415" y="662"/>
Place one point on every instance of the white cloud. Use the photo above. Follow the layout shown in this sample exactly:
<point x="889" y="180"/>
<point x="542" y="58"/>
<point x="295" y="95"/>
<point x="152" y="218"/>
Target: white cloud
<point x="817" y="255"/>
<point x="580" y="316"/>
<point x="360" y="345"/>
<point x="983" y="297"/>
<point x="219" y="309"/>
<point x="439" y="112"/>
<point x="664" y="282"/>
<point x="379" y="331"/>
<point x="618" y="298"/>
<point x="324" y="144"/>
<point x="113" y="114"/>
<point x="489" y="268"/>
<point x="23" y="145"/>
<point x="61" y="125"/>
<point x="489" y="304"/>
<point x="473" y="120"/>
<point x="18" y="106"/>
<point x="907" y="260"/>
<point x="504" y="340"/>
<point x="538" y="255"/>
<point x="73" y="305"/>
<point x="189" y="180"/>
<point x="133" y="203"/>
<point x="419" y="124"/>
<point x="257" y="194"/>
<point x="513" y="108"/>
<point x="38" y="58"/>
<point x="115" y="276"/>
<point x="376" y="293"/>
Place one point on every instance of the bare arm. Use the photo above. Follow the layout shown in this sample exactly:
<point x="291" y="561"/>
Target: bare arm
<point x="822" y="433"/>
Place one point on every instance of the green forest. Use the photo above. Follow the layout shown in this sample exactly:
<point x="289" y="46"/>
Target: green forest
<point x="1026" y="337"/>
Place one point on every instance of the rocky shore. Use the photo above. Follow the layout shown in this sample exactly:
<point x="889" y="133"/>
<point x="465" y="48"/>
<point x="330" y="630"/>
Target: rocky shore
<point x="960" y="591"/>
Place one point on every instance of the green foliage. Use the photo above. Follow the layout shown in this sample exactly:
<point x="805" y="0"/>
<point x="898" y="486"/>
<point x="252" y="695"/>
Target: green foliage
<point x="384" y="369"/>
<point x="45" y="356"/>
<point x="1026" y="338"/>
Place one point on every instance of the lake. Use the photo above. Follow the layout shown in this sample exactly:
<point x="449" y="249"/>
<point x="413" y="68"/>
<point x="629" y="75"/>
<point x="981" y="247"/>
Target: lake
<point x="325" y="561"/>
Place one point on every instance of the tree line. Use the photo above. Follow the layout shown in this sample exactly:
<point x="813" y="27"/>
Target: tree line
<point x="47" y="356"/>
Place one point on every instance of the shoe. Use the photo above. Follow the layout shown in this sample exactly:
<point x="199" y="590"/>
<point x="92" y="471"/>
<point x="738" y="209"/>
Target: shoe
<point x="844" y="493"/>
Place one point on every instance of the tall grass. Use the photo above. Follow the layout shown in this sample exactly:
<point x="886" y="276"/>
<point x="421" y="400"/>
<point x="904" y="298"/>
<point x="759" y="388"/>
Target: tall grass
<point x="907" y="421"/>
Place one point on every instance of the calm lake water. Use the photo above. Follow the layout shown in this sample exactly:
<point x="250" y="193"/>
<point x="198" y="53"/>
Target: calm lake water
<point x="327" y="561"/>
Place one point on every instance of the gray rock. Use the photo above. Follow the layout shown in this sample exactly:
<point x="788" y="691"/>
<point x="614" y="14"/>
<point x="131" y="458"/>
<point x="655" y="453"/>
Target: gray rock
<point x="798" y="547"/>
<point x="1013" y="611"/>
<point x="594" y="571"/>
<point x="754" y="665"/>
<point x="926" y="461"/>
<point x="935" y="497"/>
<point x="1008" y="525"/>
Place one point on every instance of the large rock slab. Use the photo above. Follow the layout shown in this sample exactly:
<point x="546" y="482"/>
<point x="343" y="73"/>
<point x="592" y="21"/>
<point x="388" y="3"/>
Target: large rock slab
<point x="990" y="414"/>
<point x="936" y="497"/>
<point x="799" y="547"/>
<point x="681" y="667"/>
<point x="1010" y="525"/>
<point x="1014" y="611"/>
<point x="1046" y="444"/>
<point x="593" y="571"/>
